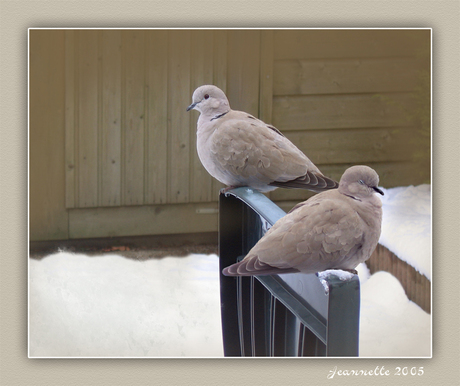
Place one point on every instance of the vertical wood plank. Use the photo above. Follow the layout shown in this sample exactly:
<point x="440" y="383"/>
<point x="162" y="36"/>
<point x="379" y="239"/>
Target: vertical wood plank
<point x="157" y="127"/>
<point x="111" y="119"/>
<point x="220" y="59"/>
<point x="70" y="119"/>
<point x="201" y="73"/>
<point x="133" y="125"/>
<point x="87" y="119"/>
<point x="220" y="80"/>
<point x="179" y="120"/>
<point x="266" y="76"/>
<point x="48" y="215"/>
<point x="244" y="70"/>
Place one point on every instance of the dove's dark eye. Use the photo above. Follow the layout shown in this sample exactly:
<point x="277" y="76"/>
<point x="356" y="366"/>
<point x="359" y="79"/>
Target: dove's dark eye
<point x="361" y="182"/>
<point x="206" y="96"/>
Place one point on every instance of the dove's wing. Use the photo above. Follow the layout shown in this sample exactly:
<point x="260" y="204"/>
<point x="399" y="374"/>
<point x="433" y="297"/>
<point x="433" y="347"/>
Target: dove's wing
<point x="249" y="149"/>
<point x="321" y="233"/>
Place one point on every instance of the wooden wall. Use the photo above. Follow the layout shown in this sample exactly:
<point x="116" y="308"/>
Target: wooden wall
<point x="112" y="149"/>
<point x="347" y="97"/>
<point x="48" y="218"/>
<point x="129" y="140"/>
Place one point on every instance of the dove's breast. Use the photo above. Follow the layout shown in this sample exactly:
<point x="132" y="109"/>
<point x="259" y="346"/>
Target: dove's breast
<point x="219" y="160"/>
<point x="208" y="157"/>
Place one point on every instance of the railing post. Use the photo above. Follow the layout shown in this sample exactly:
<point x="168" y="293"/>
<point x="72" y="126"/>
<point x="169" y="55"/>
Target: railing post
<point x="343" y="317"/>
<point x="230" y="246"/>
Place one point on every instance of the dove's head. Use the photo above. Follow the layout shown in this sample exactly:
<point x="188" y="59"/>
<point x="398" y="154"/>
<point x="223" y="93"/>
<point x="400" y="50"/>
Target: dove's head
<point x="359" y="182"/>
<point x="209" y="100"/>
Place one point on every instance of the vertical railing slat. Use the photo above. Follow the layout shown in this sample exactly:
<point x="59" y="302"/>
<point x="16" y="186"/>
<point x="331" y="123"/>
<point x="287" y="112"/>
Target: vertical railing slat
<point x="230" y="245"/>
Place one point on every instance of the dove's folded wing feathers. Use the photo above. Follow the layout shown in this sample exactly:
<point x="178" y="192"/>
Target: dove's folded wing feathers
<point x="250" y="148"/>
<point x="336" y="229"/>
<point x="314" y="237"/>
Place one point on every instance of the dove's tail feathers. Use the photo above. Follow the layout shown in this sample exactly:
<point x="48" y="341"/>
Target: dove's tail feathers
<point x="254" y="267"/>
<point x="311" y="181"/>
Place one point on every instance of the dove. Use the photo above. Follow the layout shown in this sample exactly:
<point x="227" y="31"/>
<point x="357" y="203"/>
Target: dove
<point x="238" y="149"/>
<point x="335" y="229"/>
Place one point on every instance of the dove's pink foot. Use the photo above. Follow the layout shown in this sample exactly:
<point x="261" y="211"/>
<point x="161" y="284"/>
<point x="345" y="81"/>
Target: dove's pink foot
<point x="225" y="190"/>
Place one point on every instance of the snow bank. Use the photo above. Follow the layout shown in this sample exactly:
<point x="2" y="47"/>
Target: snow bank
<point x="111" y="306"/>
<point x="390" y="324"/>
<point x="406" y="225"/>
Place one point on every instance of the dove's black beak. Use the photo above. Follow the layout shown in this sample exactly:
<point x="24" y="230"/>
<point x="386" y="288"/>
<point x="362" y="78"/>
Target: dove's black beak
<point x="378" y="190"/>
<point x="191" y="106"/>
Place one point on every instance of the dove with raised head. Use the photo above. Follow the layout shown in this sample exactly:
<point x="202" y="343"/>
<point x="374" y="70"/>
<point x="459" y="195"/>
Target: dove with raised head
<point x="240" y="150"/>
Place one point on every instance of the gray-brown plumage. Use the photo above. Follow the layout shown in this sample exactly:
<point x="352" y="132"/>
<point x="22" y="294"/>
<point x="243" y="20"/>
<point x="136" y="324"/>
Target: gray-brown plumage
<point x="240" y="150"/>
<point x="337" y="229"/>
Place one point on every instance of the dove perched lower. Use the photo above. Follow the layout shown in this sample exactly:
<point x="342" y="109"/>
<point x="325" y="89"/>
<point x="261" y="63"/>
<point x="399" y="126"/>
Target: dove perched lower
<point x="336" y="229"/>
<point x="240" y="150"/>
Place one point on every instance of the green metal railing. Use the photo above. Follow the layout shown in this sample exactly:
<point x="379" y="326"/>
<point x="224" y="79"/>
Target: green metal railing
<point x="279" y="315"/>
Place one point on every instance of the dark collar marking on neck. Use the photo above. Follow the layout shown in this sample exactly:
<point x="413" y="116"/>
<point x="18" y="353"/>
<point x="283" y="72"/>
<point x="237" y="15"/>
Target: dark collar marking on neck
<point x="354" y="198"/>
<point x="219" y="116"/>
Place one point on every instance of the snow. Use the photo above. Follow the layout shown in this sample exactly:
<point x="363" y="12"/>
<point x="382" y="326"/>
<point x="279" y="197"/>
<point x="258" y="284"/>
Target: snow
<point x="341" y="275"/>
<point x="406" y="225"/>
<point x="111" y="306"/>
<point x="390" y="324"/>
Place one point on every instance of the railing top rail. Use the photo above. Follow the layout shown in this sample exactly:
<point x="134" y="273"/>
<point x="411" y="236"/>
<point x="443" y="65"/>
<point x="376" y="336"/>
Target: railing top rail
<point x="262" y="205"/>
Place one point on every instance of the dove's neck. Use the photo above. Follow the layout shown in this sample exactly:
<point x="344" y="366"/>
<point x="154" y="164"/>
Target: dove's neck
<point x="373" y="213"/>
<point x="208" y="119"/>
<point x="371" y="200"/>
<point x="213" y="108"/>
<point x="218" y="116"/>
